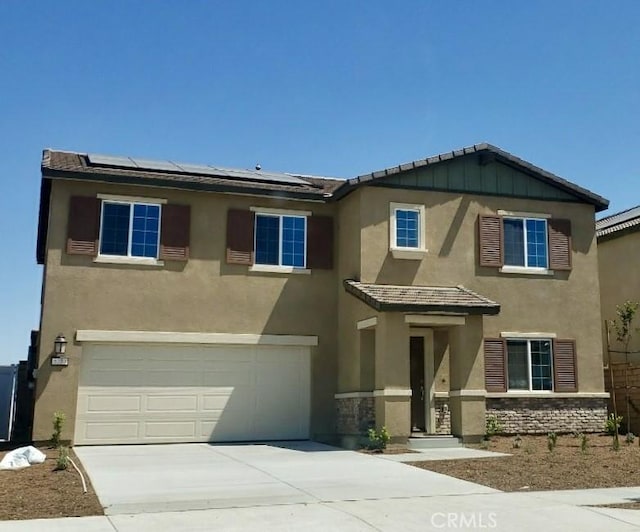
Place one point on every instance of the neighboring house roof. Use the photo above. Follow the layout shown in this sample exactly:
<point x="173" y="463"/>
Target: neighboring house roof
<point x="489" y="151"/>
<point x="457" y="299"/>
<point x="70" y="165"/>
<point x="629" y="219"/>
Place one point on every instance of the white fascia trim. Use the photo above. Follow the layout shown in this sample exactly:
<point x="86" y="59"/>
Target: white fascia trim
<point x="468" y="393"/>
<point x="162" y="337"/>
<point x="547" y="395"/>
<point x="130" y="199"/>
<point x="270" y="210"/>
<point x="353" y="395"/>
<point x="441" y="395"/>
<point x="393" y="392"/>
<point x="272" y="268"/>
<point x="525" y="271"/>
<point x="427" y="319"/>
<point x="137" y="261"/>
<point x="542" y="335"/>
<point x="521" y="214"/>
<point x="369" y="323"/>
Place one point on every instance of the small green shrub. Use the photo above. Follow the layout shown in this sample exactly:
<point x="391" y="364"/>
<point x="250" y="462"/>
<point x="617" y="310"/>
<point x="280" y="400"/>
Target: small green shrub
<point x="612" y="424"/>
<point x="492" y="427"/>
<point x="583" y="443"/>
<point x="629" y="438"/>
<point x="378" y="439"/>
<point x="485" y="444"/>
<point x="62" y="462"/>
<point x="58" y="423"/>
<point x="517" y="442"/>
<point x="615" y="445"/>
<point x="552" y="441"/>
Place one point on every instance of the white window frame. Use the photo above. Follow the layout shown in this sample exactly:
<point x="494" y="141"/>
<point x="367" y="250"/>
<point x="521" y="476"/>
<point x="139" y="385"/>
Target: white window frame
<point x="129" y="257"/>
<point x="529" y="338"/>
<point x="526" y="267"/>
<point x="279" y="214"/>
<point x="403" y="252"/>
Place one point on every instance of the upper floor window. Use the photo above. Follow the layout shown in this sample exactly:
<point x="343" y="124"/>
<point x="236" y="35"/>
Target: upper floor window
<point x="130" y="229"/>
<point x="520" y="243"/>
<point x="407" y="227"/>
<point x="525" y="242"/>
<point x="280" y="240"/>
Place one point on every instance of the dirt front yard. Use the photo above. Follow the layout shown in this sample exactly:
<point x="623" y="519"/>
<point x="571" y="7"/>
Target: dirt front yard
<point x="38" y="491"/>
<point x="532" y="467"/>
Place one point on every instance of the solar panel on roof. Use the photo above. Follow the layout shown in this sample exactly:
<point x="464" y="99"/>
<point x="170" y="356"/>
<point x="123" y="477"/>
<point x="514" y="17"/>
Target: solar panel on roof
<point x="110" y="160"/>
<point x="148" y="164"/>
<point x="168" y="166"/>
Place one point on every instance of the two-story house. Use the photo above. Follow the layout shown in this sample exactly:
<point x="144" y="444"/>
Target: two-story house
<point x="210" y="304"/>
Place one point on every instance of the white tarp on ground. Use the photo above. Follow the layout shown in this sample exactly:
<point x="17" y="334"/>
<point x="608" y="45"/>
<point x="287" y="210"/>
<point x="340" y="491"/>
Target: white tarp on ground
<point x="22" y="457"/>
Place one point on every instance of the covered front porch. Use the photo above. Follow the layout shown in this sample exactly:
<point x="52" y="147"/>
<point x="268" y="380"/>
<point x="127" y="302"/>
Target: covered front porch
<point x="420" y="362"/>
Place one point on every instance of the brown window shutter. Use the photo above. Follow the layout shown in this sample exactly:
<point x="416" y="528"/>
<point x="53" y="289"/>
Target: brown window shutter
<point x="175" y="231"/>
<point x="559" y="244"/>
<point x="83" y="229"/>
<point x="495" y="365"/>
<point x="240" y="229"/>
<point x="490" y="238"/>
<point x="565" y="371"/>
<point x="320" y="242"/>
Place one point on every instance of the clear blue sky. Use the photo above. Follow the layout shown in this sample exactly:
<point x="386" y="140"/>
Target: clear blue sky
<point x="332" y="88"/>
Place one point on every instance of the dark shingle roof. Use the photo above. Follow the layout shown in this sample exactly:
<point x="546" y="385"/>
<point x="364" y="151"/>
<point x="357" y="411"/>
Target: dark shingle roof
<point x="580" y="193"/>
<point x="384" y="297"/>
<point x="618" y="222"/>
<point x="60" y="164"/>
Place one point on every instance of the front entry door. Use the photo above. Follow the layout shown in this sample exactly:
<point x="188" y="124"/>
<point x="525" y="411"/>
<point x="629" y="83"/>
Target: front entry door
<point x="416" y="352"/>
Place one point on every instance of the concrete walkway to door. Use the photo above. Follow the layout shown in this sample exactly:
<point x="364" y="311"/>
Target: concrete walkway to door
<point x="158" y="478"/>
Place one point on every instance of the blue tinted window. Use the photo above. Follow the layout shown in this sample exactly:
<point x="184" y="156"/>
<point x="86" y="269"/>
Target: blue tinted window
<point x="293" y="235"/>
<point x="525" y="242"/>
<point x="536" y="243"/>
<point x="115" y="229"/>
<point x="541" y="365"/>
<point x="407" y="228"/>
<point x="145" y="231"/>
<point x="267" y="239"/>
<point x="513" y="242"/>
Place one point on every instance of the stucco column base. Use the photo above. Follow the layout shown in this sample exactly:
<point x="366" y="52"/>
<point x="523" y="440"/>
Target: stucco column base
<point x="394" y="413"/>
<point x="468" y="417"/>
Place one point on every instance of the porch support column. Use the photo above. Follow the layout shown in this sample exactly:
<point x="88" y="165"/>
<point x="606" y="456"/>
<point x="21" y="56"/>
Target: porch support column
<point x="467" y="395"/>
<point x="392" y="394"/>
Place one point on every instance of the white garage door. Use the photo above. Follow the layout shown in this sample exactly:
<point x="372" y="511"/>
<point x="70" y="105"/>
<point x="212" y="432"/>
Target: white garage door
<point x="158" y="394"/>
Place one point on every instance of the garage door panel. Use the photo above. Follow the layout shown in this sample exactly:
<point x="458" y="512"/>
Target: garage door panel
<point x="154" y="394"/>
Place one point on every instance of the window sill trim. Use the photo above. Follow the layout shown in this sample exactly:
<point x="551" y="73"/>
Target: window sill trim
<point x="103" y="259"/>
<point x="547" y="395"/>
<point x="526" y="271"/>
<point x="408" y="253"/>
<point x="268" y="268"/>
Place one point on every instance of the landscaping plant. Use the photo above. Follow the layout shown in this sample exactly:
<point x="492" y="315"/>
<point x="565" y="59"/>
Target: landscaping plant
<point x="378" y="439"/>
<point x="611" y="426"/>
<point x="629" y="438"/>
<point x="62" y="461"/>
<point x="583" y="443"/>
<point x="517" y="441"/>
<point x="492" y="427"/>
<point x="58" y="422"/>
<point x="552" y="440"/>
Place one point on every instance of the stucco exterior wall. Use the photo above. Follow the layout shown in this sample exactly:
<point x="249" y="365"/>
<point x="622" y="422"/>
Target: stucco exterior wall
<point x="619" y="260"/>
<point x="565" y="303"/>
<point x="202" y="295"/>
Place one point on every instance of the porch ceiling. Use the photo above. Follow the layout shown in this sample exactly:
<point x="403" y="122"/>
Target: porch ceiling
<point x="447" y="299"/>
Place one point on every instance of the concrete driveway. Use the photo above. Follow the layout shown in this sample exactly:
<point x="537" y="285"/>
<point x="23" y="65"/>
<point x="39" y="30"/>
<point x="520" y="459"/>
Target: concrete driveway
<point x="160" y="478"/>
